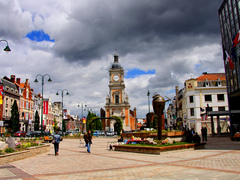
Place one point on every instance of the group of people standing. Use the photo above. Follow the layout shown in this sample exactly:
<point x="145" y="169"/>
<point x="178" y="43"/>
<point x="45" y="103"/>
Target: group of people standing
<point x="57" y="138"/>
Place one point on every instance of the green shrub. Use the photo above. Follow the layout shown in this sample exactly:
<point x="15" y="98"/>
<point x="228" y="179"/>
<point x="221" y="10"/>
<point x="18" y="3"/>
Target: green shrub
<point x="174" y="141"/>
<point x="34" y="144"/>
<point x="9" y="150"/>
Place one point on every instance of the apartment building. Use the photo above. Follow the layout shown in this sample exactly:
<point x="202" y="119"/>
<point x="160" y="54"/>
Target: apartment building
<point x="207" y="91"/>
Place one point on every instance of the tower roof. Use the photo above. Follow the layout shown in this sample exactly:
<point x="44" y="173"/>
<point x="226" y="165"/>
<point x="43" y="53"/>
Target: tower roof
<point x="116" y="64"/>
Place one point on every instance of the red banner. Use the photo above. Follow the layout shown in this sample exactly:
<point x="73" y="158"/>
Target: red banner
<point x="45" y="107"/>
<point x="1" y="94"/>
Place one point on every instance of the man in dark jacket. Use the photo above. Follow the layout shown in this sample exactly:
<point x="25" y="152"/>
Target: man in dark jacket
<point x="88" y="140"/>
<point x="56" y="141"/>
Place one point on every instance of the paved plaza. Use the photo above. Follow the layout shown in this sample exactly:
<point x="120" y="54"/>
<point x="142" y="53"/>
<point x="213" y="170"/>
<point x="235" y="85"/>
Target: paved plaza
<point x="219" y="160"/>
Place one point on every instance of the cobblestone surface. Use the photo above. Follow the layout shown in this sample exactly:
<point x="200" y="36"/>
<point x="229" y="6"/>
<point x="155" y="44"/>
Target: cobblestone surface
<point x="219" y="160"/>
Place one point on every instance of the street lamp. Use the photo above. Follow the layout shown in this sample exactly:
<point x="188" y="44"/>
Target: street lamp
<point x="82" y="115"/>
<point x="148" y="94"/>
<point x="7" y="49"/>
<point x="49" y="80"/>
<point x="62" y="102"/>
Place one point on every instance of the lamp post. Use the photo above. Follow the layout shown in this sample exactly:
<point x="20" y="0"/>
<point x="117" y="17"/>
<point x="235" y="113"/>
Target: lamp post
<point x="148" y="94"/>
<point x="7" y="49"/>
<point x="62" y="102"/>
<point x="82" y="116"/>
<point x="49" y="80"/>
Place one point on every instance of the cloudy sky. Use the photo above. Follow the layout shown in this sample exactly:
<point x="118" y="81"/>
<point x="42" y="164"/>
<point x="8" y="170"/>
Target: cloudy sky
<point x="160" y="45"/>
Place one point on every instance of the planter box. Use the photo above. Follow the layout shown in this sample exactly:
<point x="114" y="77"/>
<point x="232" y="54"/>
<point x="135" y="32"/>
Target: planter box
<point x="157" y="150"/>
<point x="29" y="152"/>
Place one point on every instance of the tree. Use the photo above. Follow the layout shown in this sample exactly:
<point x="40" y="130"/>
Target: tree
<point x="64" y="126"/>
<point x="55" y="127"/>
<point x="36" y="122"/>
<point x="154" y="124"/>
<point x="118" y="126"/>
<point x="89" y="117"/>
<point x="15" y="126"/>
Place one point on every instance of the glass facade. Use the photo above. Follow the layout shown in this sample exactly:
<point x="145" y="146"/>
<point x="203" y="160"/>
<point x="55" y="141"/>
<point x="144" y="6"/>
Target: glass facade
<point x="229" y="16"/>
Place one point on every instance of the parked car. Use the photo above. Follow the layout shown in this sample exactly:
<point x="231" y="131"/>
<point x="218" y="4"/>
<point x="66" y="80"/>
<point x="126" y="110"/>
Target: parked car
<point x="20" y="134"/>
<point x="62" y="133"/>
<point x="110" y="133"/>
<point x="30" y="134"/>
<point x="71" y="131"/>
<point x="96" y="133"/>
<point x="102" y="133"/>
<point x="40" y="133"/>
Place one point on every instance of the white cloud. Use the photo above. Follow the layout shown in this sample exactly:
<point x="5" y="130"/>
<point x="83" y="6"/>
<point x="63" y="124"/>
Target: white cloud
<point x="86" y="34"/>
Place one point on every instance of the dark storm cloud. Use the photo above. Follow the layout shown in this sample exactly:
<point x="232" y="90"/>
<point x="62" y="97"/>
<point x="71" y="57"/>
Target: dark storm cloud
<point x="95" y="30"/>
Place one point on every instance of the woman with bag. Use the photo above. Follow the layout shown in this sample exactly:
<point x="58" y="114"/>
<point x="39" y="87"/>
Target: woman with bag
<point x="56" y="140"/>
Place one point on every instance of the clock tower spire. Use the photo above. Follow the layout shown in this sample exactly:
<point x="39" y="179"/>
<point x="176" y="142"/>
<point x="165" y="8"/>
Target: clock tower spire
<point x="117" y="101"/>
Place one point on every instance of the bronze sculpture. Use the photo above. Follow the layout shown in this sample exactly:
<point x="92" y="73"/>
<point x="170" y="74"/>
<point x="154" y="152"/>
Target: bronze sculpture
<point x="158" y="107"/>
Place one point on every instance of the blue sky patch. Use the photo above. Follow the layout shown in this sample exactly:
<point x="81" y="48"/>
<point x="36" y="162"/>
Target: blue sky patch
<point x="132" y="73"/>
<point x="39" y="36"/>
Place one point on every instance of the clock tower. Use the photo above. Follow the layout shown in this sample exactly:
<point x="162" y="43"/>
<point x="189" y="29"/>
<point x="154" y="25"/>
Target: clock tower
<point x="117" y="101"/>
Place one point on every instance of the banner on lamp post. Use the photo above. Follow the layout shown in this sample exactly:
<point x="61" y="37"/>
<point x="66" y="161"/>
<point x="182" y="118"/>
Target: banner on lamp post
<point x="45" y="107"/>
<point x="1" y="94"/>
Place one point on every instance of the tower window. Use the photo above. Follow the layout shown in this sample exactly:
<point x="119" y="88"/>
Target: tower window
<point x="117" y="99"/>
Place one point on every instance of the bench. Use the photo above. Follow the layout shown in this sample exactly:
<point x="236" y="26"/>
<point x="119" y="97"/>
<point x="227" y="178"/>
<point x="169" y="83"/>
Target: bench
<point x="47" y="139"/>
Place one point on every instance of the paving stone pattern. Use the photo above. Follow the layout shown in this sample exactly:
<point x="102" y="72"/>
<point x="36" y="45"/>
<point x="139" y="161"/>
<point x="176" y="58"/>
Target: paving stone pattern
<point x="219" y="160"/>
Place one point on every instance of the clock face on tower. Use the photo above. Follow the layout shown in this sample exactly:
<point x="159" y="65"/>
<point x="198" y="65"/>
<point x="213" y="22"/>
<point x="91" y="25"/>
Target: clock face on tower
<point x="115" y="77"/>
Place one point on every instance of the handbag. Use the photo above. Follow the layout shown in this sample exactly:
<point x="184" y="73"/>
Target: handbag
<point x="53" y="141"/>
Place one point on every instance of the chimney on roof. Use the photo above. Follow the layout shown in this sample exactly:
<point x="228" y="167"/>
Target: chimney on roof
<point x="13" y="78"/>
<point x="18" y="80"/>
<point x="204" y="72"/>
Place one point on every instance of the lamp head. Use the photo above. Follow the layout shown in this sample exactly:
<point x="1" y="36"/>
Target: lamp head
<point x="67" y="93"/>
<point x="49" y="80"/>
<point x="148" y="94"/>
<point x="36" y="80"/>
<point x="7" y="49"/>
<point x="57" y="94"/>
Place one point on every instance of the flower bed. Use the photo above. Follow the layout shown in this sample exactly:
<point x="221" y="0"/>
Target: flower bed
<point x="154" y="149"/>
<point x="22" y="152"/>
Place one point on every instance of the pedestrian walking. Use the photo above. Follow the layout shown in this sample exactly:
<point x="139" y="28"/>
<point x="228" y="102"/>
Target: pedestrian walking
<point x="56" y="140"/>
<point x="88" y="140"/>
<point x="85" y="139"/>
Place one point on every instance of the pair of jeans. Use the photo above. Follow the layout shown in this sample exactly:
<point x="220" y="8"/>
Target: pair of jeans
<point x="88" y="147"/>
<point x="56" y="147"/>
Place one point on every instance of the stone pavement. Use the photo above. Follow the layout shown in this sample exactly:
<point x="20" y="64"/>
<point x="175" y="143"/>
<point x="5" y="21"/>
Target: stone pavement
<point x="220" y="160"/>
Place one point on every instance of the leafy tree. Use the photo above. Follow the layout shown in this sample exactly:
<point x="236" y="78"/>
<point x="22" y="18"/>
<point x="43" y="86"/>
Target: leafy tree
<point x="98" y="124"/>
<point x="89" y="117"/>
<point x="118" y="126"/>
<point x="15" y="126"/>
<point x="55" y="127"/>
<point x="64" y="126"/>
<point x="154" y="124"/>
<point x="36" y="122"/>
